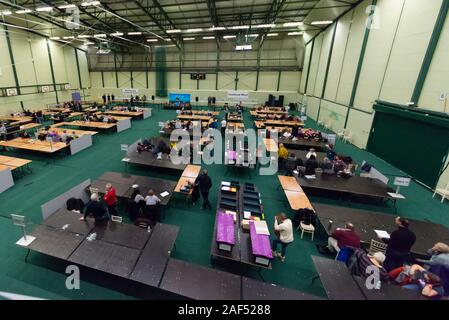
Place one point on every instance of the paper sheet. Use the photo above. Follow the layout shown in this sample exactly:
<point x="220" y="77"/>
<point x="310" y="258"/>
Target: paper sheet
<point x="261" y="227"/>
<point x="164" y="194"/>
<point x="382" y="234"/>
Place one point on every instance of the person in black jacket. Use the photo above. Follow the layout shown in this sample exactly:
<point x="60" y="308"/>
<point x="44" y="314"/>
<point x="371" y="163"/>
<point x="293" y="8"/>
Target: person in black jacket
<point x="311" y="165"/>
<point x="399" y="245"/>
<point x="205" y="183"/>
<point x="97" y="209"/>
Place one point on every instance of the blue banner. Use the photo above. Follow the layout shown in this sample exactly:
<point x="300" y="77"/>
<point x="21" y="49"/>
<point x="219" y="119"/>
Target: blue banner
<point x="179" y="97"/>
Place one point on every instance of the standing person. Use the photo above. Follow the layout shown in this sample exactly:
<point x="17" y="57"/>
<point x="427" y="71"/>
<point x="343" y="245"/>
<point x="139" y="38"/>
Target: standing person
<point x="330" y="153"/>
<point x="97" y="209"/>
<point x="113" y="97"/>
<point x="223" y="126"/>
<point x="110" y="199"/>
<point x="109" y="98"/>
<point x="104" y="98"/>
<point x="399" y="245"/>
<point x="205" y="183"/>
<point x="283" y="227"/>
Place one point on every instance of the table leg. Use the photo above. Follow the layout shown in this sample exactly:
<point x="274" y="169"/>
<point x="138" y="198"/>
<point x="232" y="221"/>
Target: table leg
<point x="26" y="257"/>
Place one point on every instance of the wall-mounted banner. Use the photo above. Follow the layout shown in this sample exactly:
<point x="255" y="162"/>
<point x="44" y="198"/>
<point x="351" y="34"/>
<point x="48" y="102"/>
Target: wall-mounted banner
<point x="238" y="95"/>
<point x="127" y="93"/>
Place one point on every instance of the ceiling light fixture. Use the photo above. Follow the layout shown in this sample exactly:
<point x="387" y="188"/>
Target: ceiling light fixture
<point x="84" y="36"/>
<point x="100" y="35"/>
<point x="209" y="38"/>
<point x="293" y="24"/>
<point x="55" y="38"/>
<point x="173" y="31"/>
<point x="152" y="40"/>
<point x="194" y="30"/>
<point x="5" y="12"/>
<point x="239" y="27"/>
<point x="272" y="34"/>
<point x="66" y="6"/>
<point x="136" y="33"/>
<point x="264" y="26"/>
<point x="44" y="9"/>
<point x="216" y="28"/>
<point x="229" y="37"/>
<point x="321" y="22"/>
<point x="188" y="39"/>
<point x="90" y="3"/>
<point x="24" y="11"/>
<point x="295" y="33"/>
<point x="116" y="34"/>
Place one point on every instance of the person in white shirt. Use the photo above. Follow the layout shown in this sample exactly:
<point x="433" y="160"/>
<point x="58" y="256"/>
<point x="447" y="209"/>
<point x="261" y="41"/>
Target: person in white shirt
<point x="151" y="199"/>
<point x="178" y="124"/>
<point x="283" y="228"/>
<point x="2" y="130"/>
<point x="311" y="152"/>
<point x="223" y="126"/>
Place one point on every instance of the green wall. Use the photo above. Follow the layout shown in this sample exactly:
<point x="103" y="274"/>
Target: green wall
<point x="31" y="55"/>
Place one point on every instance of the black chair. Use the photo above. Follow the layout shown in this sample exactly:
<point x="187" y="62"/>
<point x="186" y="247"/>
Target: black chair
<point x="290" y="166"/>
<point x="152" y="213"/>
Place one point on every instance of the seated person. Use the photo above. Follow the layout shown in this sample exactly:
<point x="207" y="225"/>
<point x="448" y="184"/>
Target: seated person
<point x="64" y="136"/>
<point x="151" y="199"/>
<point x="360" y="261"/>
<point x="339" y="165"/>
<point x="419" y="279"/>
<point x="311" y="152"/>
<point x="327" y="166"/>
<point x="74" y="135"/>
<point x="161" y="147"/>
<point x="311" y="164"/>
<point x="295" y="131"/>
<point x="341" y="238"/>
<point x="96" y="209"/>
<point x="439" y="256"/>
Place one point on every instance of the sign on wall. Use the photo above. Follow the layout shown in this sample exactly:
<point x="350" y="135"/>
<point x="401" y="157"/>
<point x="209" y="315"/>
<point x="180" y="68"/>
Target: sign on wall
<point x="45" y="89"/>
<point x="238" y="95"/>
<point x="127" y="93"/>
<point x="11" y="92"/>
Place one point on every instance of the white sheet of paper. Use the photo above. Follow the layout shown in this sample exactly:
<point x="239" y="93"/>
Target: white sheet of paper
<point x="382" y="234"/>
<point x="246" y="214"/>
<point x="224" y="183"/>
<point x="262" y="227"/>
<point x="164" y="194"/>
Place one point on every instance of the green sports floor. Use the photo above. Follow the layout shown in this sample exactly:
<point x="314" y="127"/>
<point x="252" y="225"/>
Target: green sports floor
<point x="44" y="277"/>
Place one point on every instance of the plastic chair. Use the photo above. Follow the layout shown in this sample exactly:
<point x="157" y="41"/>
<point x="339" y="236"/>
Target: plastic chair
<point x="344" y="254"/>
<point x="444" y="193"/>
<point x="307" y="228"/>
<point x="377" y="246"/>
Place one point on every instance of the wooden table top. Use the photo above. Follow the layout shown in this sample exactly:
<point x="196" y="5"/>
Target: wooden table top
<point x="184" y="181"/>
<point x="70" y="131"/>
<point x="88" y="124"/>
<point x="124" y="113"/>
<point x="270" y="145"/>
<point x="34" y="145"/>
<point x="3" y="167"/>
<point x="193" y="117"/>
<point x="13" y="163"/>
<point x="191" y="171"/>
<point x="294" y="193"/>
<point x="289" y="183"/>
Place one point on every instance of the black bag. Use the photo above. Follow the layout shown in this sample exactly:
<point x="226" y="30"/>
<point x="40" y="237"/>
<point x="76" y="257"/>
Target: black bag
<point x="305" y="216"/>
<point x="75" y="204"/>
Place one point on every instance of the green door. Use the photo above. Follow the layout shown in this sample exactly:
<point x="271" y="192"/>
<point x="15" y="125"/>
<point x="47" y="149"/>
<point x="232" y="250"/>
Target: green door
<point x="411" y="141"/>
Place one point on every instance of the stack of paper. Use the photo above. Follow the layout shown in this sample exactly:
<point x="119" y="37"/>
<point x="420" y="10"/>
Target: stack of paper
<point x="164" y="194"/>
<point x="261" y="227"/>
<point x="382" y="234"/>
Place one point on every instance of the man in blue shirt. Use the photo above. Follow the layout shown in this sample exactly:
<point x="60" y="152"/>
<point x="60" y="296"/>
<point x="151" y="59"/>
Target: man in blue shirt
<point x="330" y="153"/>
